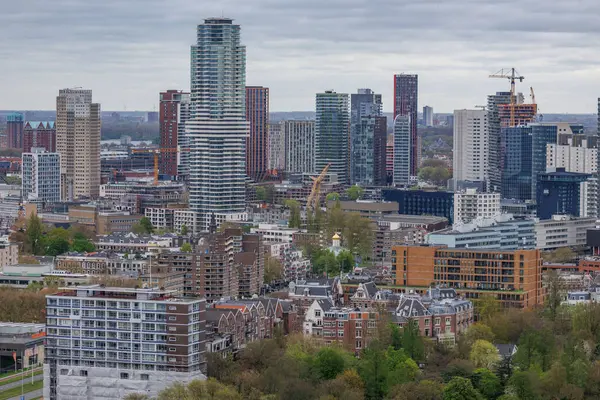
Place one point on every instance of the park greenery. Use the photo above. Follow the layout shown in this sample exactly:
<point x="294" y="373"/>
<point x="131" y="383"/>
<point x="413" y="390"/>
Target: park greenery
<point x="557" y="358"/>
<point x="435" y="171"/>
<point x="144" y="226"/>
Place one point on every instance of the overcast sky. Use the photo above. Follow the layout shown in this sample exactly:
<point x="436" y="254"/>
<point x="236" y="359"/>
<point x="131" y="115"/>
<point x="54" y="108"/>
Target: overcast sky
<point x="127" y="51"/>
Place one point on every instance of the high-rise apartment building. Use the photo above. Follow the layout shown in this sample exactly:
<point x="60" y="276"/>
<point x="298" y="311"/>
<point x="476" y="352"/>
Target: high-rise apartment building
<point x="299" y="137"/>
<point x="470" y="205"/>
<point x="389" y="157"/>
<point x="402" y="151"/>
<point x="174" y="111"/>
<point x="406" y="94"/>
<point x="513" y="277"/>
<point x="257" y="115"/>
<point x="276" y="150"/>
<point x="41" y="176"/>
<point x="471" y="146"/>
<point x="107" y="342"/>
<point x="78" y="143"/>
<point x="517" y="163"/>
<point x="39" y="134"/>
<point x="428" y="116"/>
<point x="217" y="128"/>
<point x="332" y="137"/>
<point x="368" y="133"/>
<point x="14" y="131"/>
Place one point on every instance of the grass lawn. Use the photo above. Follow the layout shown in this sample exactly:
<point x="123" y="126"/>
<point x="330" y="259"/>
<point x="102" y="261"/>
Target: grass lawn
<point x="28" y="387"/>
<point x="18" y="378"/>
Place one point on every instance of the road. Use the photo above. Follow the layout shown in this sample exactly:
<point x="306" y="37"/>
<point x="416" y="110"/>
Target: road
<point x="15" y="375"/>
<point x="36" y="394"/>
<point x="36" y="378"/>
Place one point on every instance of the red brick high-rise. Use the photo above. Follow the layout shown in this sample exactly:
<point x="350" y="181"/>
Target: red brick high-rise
<point x="406" y="94"/>
<point x="39" y="134"/>
<point x="14" y="131"/>
<point x="173" y="113"/>
<point x="257" y="115"/>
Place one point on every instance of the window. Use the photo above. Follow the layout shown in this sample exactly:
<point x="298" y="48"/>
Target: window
<point x="124" y="375"/>
<point x="317" y="313"/>
<point x="341" y="333"/>
<point x="447" y="320"/>
<point x="427" y="322"/>
<point x="64" y="371"/>
<point x="172" y="318"/>
<point x="145" y="377"/>
<point x="437" y="320"/>
<point x="172" y="339"/>
<point x="83" y="372"/>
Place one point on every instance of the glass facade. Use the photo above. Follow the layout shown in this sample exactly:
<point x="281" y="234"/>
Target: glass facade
<point x="332" y="134"/>
<point x="517" y="163"/>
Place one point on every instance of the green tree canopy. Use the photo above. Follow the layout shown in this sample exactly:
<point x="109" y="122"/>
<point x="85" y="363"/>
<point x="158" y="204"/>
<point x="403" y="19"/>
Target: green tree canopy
<point x="186" y="247"/>
<point x="34" y="242"/>
<point x="184" y="230"/>
<point x="461" y="389"/>
<point x="144" y="226"/>
<point x="273" y="269"/>
<point x="354" y="192"/>
<point x="484" y="354"/>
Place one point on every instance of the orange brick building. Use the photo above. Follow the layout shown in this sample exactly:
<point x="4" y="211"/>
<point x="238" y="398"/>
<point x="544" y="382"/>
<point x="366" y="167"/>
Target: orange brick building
<point x="513" y="277"/>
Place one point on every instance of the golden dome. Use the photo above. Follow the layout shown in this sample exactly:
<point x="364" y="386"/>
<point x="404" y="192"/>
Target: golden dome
<point x="336" y="237"/>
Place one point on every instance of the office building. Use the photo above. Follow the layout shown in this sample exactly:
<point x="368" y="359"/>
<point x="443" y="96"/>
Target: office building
<point x="422" y="202"/>
<point x="494" y="161"/>
<point x="332" y="134"/>
<point x="257" y="115"/>
<point x="389" y="157"/>
<point x="471" y="204"/>
<point x="299" y="137"/>
<point x="158" y="339"/>
<point x="402" y="151"/>
<point x="14" y="131"/>
<point x="428" y="116"/>
<point x="577" y="153"/>
<point x="78" y="143"/>
<point x="471" y="146"/>
<point x="367" y="134"/>
<point x="562" y="231"/>
<point x="513" y="277"/>
<point x="39" y="134"/>
<point x="517" y="166"/>
<point x="41" y="176"/>
<point x="560" y="193"/>
<point x="217" y="128"/>
<point x="501" y="232"/>
<point x="174" y="111"/>
<point x="543" y="134"/>
<point x="406" y="93"/>
<point x="276" y="149"/>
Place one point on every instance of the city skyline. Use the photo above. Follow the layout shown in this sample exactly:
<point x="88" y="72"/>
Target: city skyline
<point x="453" y="55"/>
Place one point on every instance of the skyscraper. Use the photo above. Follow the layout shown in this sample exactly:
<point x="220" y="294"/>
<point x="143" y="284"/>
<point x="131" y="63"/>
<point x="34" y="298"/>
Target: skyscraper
<point x="276" y="150"/>
<point x="368" y="130"/>
<point x="471" y="146"/>
<point x="428" y="116"/>
<point x="78" y="142"/>
<point x="41" y="176"/>
<point x="517" y="163"/>
<point x="217" y="128"/>
<point x="257" y="115"/>
<point x="402" y="150"/>
<point x="299" y="139"/>
<point x="406" y="94"/>
<point x="495" y="140"/>
<point x="14" y="131"/>
<point x="174" y="111"/>
<point x="39" y="134"/>
<point x="331" y="133"/>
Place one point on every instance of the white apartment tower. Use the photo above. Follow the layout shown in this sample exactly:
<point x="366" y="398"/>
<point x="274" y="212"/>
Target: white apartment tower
<point x="41" y="176"/>
<point x="107" y="342"/>
<point x="217" y="129"/>
<point x="299" y="139"/>
<point x="402" y="146"/>
<point x="276" y="150"/>
<point x="471" y="146"/>
<point x="470" y="205"/>
<point x="78" y="143"/>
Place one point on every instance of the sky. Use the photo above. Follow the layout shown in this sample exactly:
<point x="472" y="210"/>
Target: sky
<point x="127" y="51"/>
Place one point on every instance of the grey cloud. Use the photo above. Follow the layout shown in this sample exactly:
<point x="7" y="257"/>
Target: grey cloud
<point x="127" y="51"/>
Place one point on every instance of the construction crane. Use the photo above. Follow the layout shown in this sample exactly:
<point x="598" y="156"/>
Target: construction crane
<point x="512" y="75"/>
<point x="156" y="153"/>
<point x="313" y="199"/>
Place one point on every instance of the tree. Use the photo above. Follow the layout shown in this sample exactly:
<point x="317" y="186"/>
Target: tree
<point x="81" y="244"/>
<point x="554" y="298"/>
<point x="273" y="270"/>
<point x="354" y="192"/>
<point x="261" y="193"/>
<point x="374" y="371"/>
<point x="423" y="390"/>
<point x="34" y="239"/>
<point x="436" y="175"/>
<point x="433" y="162"/>
<point x="186" y="247"/>
<point x="143" y="226"/>
<point x="345" y="260"/>
<point x="57" y="242"/>
<point x="136" y="396"/>
<point x="325" y="262"/>
<point x="412" y="342"/>
<point x="461" y="389"/>
<point x="525" y="385"/>
<point x="333" y="196"/>
<point x="184" y="230"/>
<point x="484" y="354"/>
<point x="560" y="255"/>
<point x="329" y="363"/>
<point x="487" y="383"/>
<point x="294" y="208"/>
<point x="487" y="307"/>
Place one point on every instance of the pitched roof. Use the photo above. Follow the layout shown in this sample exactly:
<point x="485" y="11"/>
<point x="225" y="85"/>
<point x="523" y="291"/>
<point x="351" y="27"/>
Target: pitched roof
<point x="371" y="289"/>
<point x="506" y="350"/>
<point x="411" y="307"/>
<point x="325" y="304"/>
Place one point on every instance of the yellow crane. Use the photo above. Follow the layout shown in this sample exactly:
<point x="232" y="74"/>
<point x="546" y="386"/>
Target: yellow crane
<point x="156" y="153"/>
<point x="512" y="75"/>
<point x="313" y="199"/>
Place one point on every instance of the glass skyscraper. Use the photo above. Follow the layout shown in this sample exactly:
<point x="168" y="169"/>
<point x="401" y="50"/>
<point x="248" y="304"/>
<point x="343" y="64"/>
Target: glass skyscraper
<point x="517" y="163"/>
<point x="331" y="134"/>
<point x="217" y="128"/>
